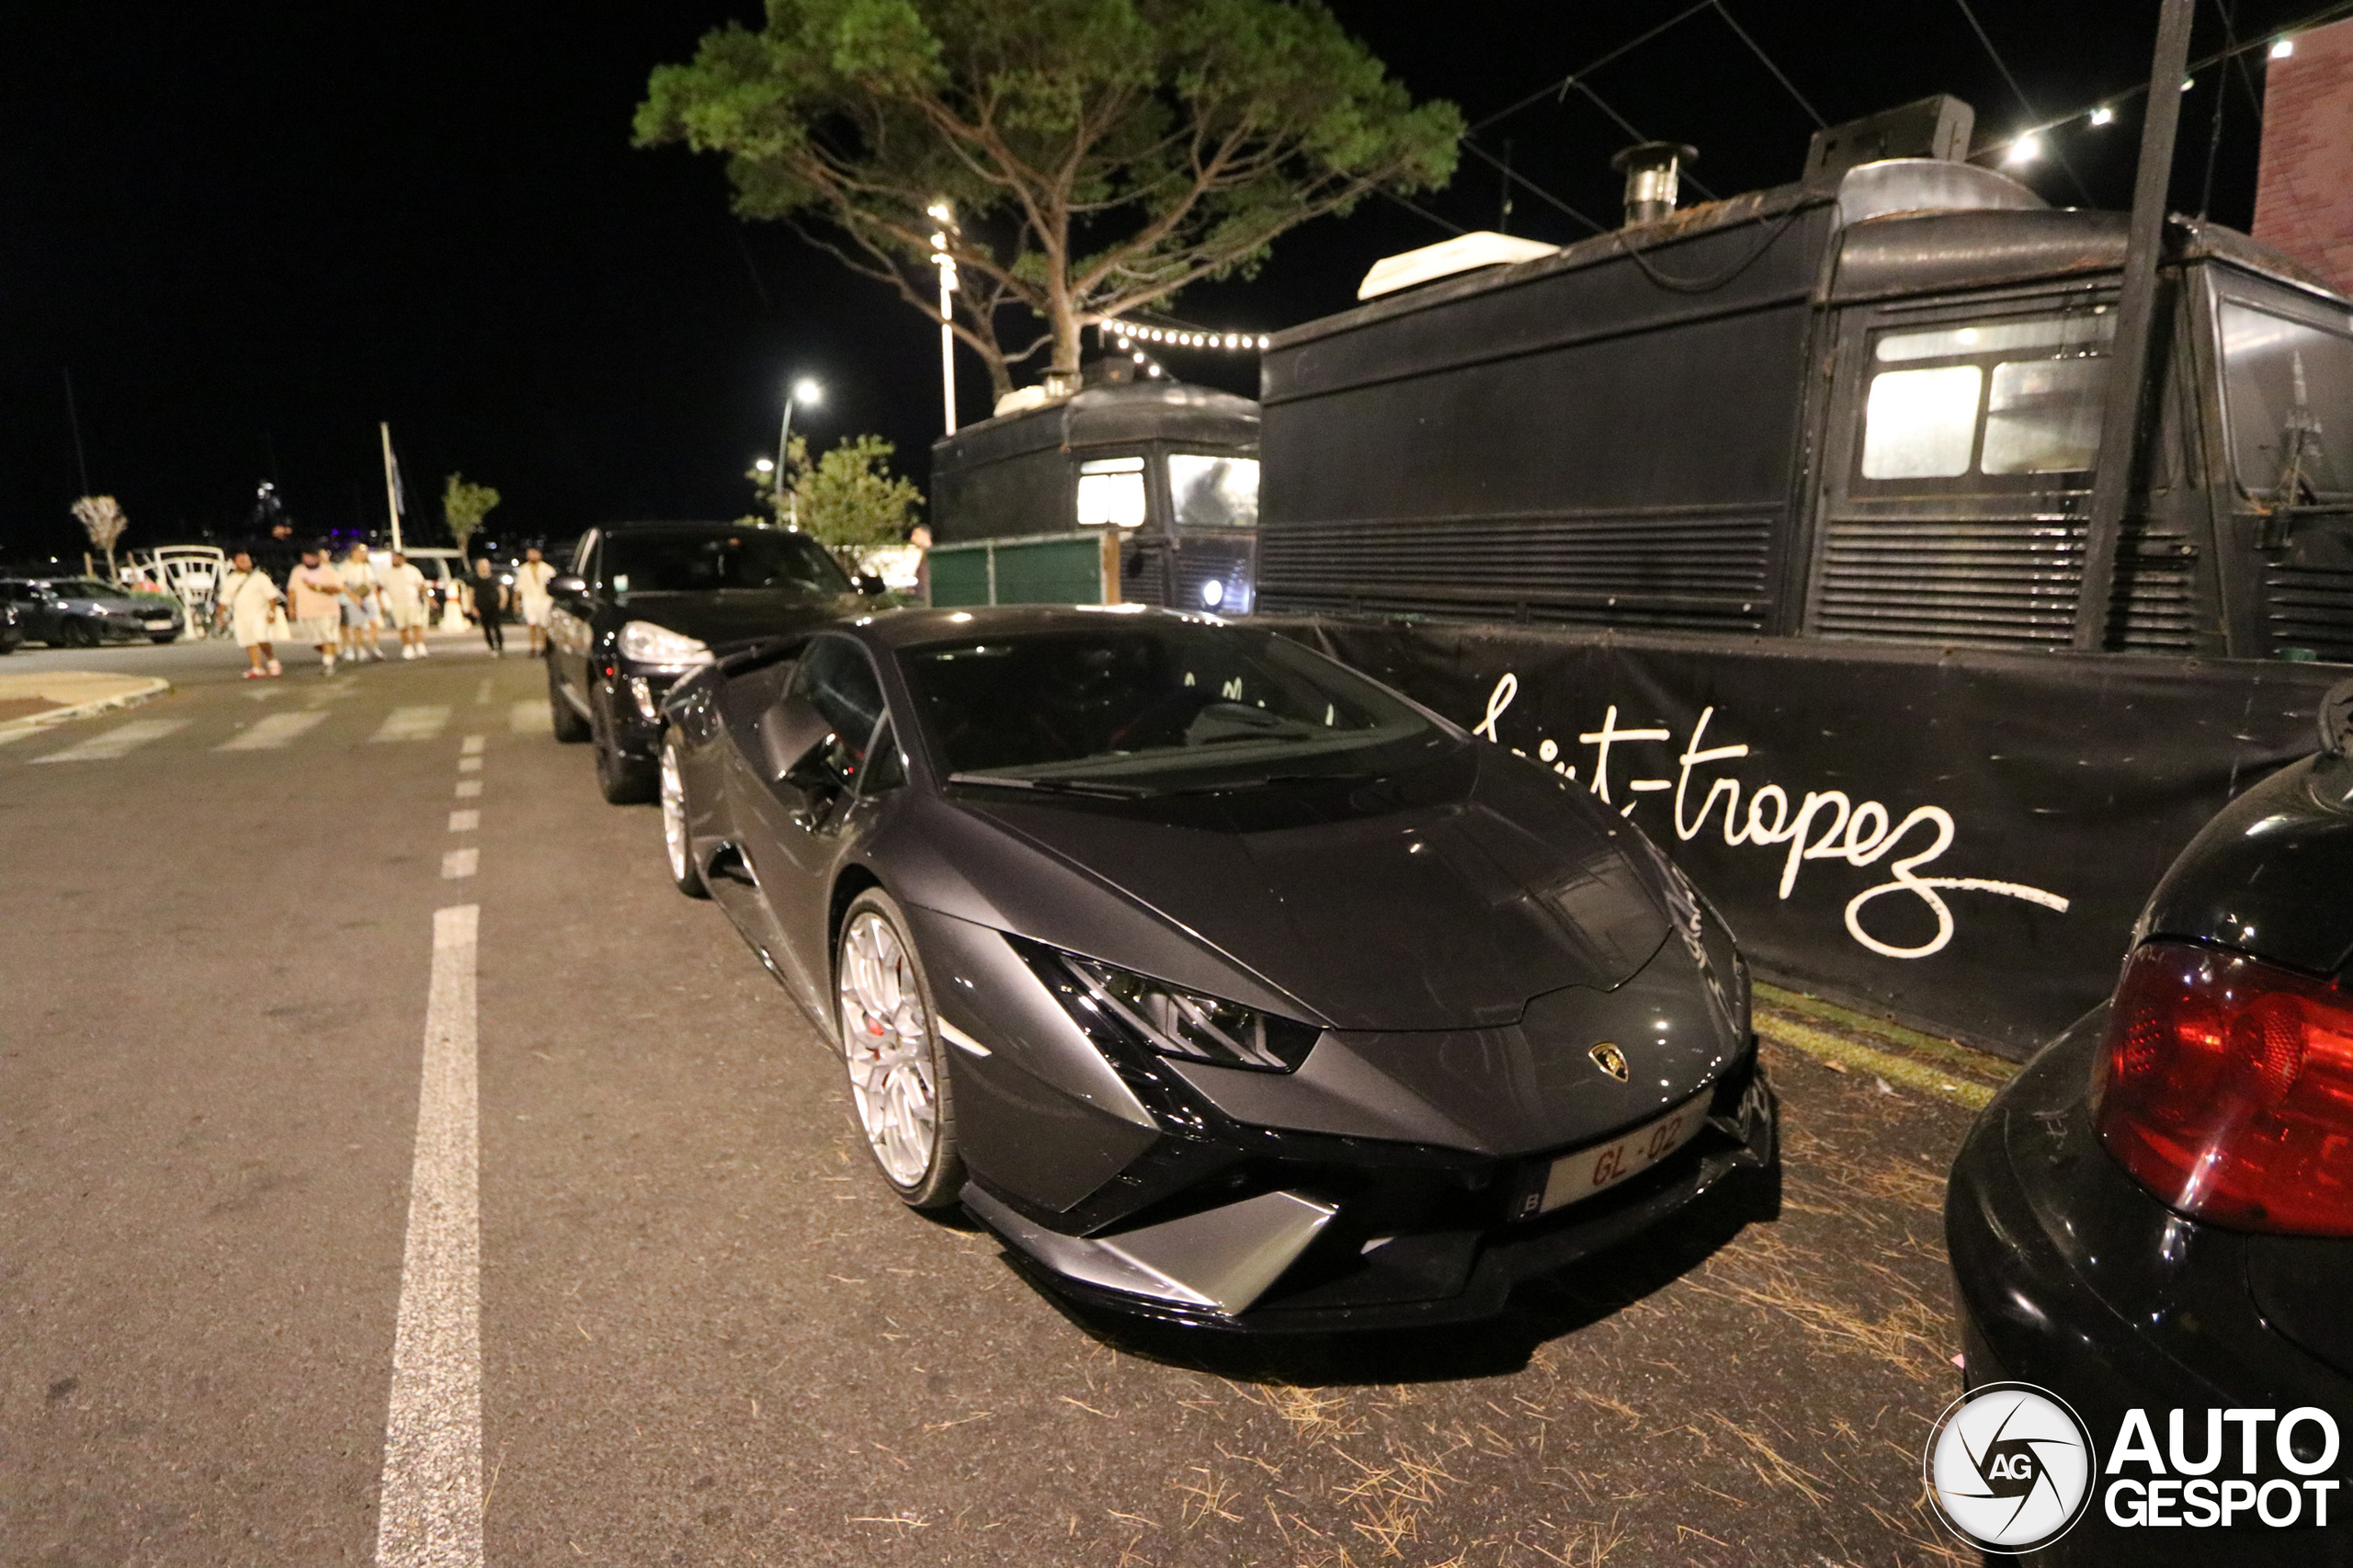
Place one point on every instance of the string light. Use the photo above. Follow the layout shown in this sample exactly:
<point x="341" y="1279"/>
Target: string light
<point x="2283" y="49"/>
<point x="2025" y="150"/>
<point x="2103" y="116"/>
<point x="1125" y="332"/>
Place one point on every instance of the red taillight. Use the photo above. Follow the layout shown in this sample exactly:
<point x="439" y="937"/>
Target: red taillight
<point x="2227" y="1089"/>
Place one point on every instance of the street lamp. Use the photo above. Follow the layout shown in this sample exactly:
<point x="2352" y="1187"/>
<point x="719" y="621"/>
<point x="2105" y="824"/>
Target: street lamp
<point x="943" y="213"/>
<point x="807" y="391"/>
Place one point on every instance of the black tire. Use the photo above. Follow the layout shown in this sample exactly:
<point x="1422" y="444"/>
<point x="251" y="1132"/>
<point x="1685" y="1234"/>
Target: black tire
<point x="941" y="1177"/>
<point x="624" y="780"/>
<point x="570" y="728"/>
<point x="77" y="632"/>
<point x="159" y="642"/>
<point x="677" y="846"/>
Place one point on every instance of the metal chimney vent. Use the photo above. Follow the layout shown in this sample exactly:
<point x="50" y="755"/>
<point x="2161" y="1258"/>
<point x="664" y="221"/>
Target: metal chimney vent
<point x="1652" y="171"/>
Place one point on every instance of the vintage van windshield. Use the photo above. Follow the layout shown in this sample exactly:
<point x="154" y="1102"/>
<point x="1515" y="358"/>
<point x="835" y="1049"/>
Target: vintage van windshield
<point x="2287" y="392"/>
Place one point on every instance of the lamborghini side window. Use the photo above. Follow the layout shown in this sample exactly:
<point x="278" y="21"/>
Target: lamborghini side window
<point x="836" y="680"/>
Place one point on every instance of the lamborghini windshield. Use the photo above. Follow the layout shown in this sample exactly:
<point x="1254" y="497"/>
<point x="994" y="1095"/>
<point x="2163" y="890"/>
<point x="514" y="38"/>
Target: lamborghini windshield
<point x="1163" y="704"/>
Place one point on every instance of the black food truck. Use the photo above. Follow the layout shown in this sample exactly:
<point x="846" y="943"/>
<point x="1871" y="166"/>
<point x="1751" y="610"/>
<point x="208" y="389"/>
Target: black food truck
<point x="1765" y="520"/>
<point x="1133" y="490"/>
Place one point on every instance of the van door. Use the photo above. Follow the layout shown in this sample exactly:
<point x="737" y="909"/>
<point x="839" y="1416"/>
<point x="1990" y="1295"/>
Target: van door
<point x="1957" y="478"/>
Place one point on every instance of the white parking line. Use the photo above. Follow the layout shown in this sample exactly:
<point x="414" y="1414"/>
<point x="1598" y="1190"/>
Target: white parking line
<point x="460" y="863"/>
<point x="111" y="744"/>
<point x="481" y="692"/>
<point x="470" y="765"/>
<point x="273" y="731"/>
<point x="464" y="822"/>
<point x="469" y="789"/>
<point x="431" y="1516"/>
<point x="421" y="723"/>
<point x="531" y="718"/>
<point x="471" y="745"/>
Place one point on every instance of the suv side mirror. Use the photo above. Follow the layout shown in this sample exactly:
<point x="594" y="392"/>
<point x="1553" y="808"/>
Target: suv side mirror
<point x="567" y="585"/>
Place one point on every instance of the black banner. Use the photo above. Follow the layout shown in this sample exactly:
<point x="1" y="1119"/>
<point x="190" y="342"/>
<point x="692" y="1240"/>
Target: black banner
<point x="1965" y="837"/>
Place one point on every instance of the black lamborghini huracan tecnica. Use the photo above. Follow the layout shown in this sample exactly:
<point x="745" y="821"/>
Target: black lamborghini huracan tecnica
<point x="1223" y="984"/>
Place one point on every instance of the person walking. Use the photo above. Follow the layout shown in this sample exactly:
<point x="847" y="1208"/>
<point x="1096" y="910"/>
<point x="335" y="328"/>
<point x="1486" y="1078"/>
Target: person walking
<point x="490" y="606"/>
<point x="531" y="580"/>
<point x="363" y="613"/>
<point x="315" y="591"/>
<point x="246" y="602"/>
<point x="403" y="597"/>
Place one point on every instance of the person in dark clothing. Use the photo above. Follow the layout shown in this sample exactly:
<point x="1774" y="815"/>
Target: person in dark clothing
<point x="490" y="607"/>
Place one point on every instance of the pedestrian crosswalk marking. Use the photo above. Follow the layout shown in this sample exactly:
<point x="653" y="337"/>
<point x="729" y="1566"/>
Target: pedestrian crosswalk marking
<point x="464" y="822"/>
<point x="470" y="765"/>
<point x="469" y="789"/>
<point x="110" y="744"/>
<point x="470" y="746"/>
<point x="413" y="723"/>
<point x="533" y="717"/>
<point x="460" y="863"/>
<point x="273" y="732"/>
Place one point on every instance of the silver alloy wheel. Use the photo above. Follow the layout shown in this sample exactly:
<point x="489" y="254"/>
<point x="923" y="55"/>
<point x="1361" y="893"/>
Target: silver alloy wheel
<point x="886" y="1042"/>
<point x="674" y="813"/>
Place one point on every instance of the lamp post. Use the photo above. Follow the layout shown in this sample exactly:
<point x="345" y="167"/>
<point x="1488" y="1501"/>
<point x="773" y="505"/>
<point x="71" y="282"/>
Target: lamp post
<point x="805" y="389"/>
<point x="944" y="213"/>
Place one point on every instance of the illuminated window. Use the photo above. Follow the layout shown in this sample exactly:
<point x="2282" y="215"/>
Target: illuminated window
<point x="1214" y="493"/>
<point x="1110" y="490"/>
<point x="1921" y="424"/>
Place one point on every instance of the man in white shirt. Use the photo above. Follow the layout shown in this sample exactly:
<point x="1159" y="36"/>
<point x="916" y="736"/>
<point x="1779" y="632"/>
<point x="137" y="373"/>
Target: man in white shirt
<point x="247" y="602"/>
<point x="531" y="580"/>
<point x="363" y="612"/>
<point x="405" y="605"/>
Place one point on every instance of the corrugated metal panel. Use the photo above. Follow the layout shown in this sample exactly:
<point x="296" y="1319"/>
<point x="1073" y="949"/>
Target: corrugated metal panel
<point x="2154" y="608"/>
<point x="1701" y="568"/>
<point x="1980" y="580"/>
<point x="2311" y="607"/>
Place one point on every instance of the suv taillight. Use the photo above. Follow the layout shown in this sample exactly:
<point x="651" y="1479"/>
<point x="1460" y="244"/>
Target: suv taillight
<point x="2227" y="1089"/>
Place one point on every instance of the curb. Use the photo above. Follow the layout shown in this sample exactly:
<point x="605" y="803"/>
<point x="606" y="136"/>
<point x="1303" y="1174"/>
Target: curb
<point x="33" y="724"/>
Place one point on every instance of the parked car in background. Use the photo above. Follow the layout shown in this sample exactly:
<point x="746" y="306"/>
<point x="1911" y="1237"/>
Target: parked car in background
<point x="445" y="570"/>
<point x="82" y="612"/>
<point x="12" y="631"/>
<point x="1228" y="987"/>
<point x="2158" y="1213"/>
<point x="644" y="603"/>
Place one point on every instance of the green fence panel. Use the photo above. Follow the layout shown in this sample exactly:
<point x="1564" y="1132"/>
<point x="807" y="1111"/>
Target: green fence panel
<point x="959" y="575"/>
<point x="1055" y="569"/>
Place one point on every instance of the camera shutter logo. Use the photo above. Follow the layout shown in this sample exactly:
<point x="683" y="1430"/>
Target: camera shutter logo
<point x="2009" y="1467"/>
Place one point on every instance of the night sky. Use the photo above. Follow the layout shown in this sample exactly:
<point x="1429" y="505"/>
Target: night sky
<point x="250" y="232"/>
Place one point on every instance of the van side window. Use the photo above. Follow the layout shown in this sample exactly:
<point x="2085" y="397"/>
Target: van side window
<point x="2006" y="398"/>
<point x="1110" y="492"/>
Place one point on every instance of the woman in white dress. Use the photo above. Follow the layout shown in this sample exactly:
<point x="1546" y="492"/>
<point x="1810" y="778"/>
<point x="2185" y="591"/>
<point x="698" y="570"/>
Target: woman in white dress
<point x="248" y="601"/>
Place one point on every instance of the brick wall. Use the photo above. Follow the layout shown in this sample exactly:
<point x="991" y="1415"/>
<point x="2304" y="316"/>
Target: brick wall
<point x="2304" y="199"/>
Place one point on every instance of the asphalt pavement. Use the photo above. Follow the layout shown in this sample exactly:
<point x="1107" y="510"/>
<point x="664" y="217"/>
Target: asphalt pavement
<point x="698" y="1329"/>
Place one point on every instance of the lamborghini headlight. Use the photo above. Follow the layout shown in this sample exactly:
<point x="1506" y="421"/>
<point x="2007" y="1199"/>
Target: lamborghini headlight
<point x="644" y="643"/>
<point x="1185" y="1023"/>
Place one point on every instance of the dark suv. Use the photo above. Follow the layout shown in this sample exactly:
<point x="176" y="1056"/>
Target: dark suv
<point x="644" y="603"/>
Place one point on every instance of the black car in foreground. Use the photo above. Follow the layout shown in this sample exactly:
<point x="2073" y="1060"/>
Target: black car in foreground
<point x="2156" y="1215"/>
<point x="645" y="602"/>
<point x="1225" y="986"/>
<point x="82" y="612"/>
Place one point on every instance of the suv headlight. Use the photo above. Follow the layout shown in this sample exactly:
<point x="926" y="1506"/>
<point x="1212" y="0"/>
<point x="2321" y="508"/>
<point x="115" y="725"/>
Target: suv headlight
<point x="1185" y="1023"/>
<point x="644" y="643"/>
